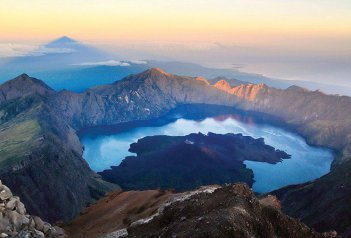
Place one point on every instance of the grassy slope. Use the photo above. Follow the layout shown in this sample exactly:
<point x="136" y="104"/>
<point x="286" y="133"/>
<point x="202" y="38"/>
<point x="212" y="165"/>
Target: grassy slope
<point x="18" y="139"/>
<point x="20" y="130"/>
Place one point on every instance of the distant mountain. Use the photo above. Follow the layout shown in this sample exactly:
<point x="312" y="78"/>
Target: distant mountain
<point x="69" y="64"/>
<point x="235" y="77"/>
<point x="232" y="82"/>
<point x="80" y="78"/>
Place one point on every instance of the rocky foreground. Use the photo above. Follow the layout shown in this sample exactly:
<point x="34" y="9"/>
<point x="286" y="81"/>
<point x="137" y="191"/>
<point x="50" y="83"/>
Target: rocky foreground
<point x="15" y="222"/>
<point x="231" y="211"/>
<point x="211" y="211"/>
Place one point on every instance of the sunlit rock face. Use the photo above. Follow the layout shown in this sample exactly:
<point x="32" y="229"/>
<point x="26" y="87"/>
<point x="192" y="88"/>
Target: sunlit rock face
<point x="202" y="79"/>
<point x="245" y="91"/>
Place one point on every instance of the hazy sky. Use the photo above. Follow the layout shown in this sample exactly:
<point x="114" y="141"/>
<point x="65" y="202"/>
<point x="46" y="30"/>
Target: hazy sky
<point x="175" y="20"/>
<point x="223" y="32"/>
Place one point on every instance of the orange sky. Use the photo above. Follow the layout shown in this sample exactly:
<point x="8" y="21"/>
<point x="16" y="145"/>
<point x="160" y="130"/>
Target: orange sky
<point x="226" y="21"/>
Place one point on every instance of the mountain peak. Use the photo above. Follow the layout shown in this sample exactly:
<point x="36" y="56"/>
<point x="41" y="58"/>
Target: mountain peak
<point x="202" y="79"/>
<point x="23" y="76"/>
<point x="222" y="84"/>
<point x="154" y="73"/>
<point x="157" y="71"/>
<point x="297" y="88"/>
<point x="21" y="86"/>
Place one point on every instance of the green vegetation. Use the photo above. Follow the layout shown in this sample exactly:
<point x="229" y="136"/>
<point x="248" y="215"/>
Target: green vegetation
<point x="17" y="140"/>
<point x="19" y="129"/>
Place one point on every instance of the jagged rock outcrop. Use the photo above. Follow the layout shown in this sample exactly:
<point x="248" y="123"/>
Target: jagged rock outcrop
<point x="231" y="211"/>
<point x="202" y="79"/>
<point x="15" y="222"/>
<point x="247" y="92"/>
<point x="231" y="81"/>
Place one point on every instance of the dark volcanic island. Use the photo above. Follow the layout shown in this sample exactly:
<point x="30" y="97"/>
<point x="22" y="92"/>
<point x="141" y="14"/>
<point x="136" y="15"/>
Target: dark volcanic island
<point x="187" y="162"/>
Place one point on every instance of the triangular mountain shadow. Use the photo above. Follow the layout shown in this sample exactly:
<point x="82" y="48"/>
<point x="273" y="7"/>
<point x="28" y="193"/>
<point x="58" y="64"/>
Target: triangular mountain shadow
<point x="63" y="40"/>
<point x="61" y="53"/>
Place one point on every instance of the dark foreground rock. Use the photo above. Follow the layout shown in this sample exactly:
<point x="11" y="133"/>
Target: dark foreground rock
<point x="188" y="162"/>
<point x="15" y="222"/>
<point x="231" y="211"/>
<point x="332" y="195"/>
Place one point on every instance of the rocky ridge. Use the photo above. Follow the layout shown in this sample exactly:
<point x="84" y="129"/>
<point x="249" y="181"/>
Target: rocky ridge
<point x="213" y="211"/>
<point x="23" y="86"/>
<point x="248" y="92"/>
<point x="15" y="222"/>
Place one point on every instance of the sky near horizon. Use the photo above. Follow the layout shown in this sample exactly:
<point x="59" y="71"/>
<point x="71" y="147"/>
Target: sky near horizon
<point x="313" y="29"/>
<point x="175" y="20"/>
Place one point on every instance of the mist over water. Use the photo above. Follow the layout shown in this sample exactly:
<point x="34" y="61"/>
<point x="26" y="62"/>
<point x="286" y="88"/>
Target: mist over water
<point x="306" y="163"/>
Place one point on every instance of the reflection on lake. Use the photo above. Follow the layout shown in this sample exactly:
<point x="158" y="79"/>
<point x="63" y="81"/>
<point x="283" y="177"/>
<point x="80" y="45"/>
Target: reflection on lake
<point x="103" y="149"/>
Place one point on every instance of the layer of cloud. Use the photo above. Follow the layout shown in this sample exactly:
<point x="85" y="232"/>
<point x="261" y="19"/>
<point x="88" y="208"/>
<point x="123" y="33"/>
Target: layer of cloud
<point x="105" y="63"/>
<point x="20" y="50"/>
<point x="46" y="50"/>
<point x="137" y="61"/>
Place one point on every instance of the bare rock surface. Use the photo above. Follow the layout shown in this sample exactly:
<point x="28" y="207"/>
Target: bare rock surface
<point x="15" y="222"/>
<point x="230" y="211"/>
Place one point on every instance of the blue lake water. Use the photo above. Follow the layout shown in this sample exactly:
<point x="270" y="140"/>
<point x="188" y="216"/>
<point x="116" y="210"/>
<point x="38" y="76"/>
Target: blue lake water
<point x="306" y="162"/>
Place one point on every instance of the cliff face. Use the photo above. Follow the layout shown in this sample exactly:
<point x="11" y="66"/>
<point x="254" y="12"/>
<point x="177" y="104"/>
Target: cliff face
<point x="248" y="92"/>
<point x="323" y="119"/>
